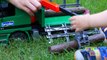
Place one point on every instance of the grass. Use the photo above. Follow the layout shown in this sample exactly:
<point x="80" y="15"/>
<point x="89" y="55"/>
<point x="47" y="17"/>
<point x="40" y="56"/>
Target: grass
<point x="38" y="49"/>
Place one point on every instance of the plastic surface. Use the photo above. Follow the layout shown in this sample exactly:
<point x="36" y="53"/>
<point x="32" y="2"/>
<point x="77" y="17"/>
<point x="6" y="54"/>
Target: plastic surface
<point x="49" y="5"/>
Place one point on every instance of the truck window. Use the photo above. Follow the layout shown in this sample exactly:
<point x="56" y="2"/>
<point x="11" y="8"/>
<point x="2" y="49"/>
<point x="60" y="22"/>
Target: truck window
<point x="6" y="9"/>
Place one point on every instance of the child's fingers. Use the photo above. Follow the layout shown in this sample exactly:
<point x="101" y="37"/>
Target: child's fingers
<point x="73" y="22"/>
<point x="72" y="18"/>
<point x="73" y="27"/>
<point x="78" y="30"/>
<point x="27" y="10"/>
<point x="38" y="0"/>
<point x="36" y="4"/>
<point x="31" y="7"/>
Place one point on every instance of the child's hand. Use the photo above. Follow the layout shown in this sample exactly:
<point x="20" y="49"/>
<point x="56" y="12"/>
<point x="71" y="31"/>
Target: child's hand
<point x="30" y="6"/>
<point x="80" y="22"/>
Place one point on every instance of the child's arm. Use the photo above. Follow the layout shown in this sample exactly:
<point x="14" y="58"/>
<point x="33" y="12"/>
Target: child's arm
<point x="30" y="6"/>
<point x="89" y="21"/>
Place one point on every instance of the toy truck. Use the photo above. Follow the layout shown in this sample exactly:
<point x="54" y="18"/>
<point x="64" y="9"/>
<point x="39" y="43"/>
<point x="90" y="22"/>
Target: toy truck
<point x="15" y="24"/>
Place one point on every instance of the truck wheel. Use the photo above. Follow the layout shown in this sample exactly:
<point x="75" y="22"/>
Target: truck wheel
<point x="18" y="36"/>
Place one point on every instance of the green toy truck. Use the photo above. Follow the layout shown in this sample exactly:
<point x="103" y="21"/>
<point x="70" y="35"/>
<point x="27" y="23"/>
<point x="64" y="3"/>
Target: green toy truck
<point x="16" y="24"/>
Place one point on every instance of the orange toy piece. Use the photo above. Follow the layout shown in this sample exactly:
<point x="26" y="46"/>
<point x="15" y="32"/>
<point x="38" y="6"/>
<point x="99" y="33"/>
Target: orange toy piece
<point x="50" y="5"/>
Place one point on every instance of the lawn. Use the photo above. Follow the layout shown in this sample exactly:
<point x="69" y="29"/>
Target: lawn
<point x="38" y="48"/>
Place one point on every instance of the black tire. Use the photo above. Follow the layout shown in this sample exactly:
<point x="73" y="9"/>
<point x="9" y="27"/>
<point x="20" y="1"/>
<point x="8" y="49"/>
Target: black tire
<point x="19" y="36"/>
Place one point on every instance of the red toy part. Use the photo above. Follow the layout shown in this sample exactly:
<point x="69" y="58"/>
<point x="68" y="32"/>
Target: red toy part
<point x="49" y="5"/>
<point x="33" y="19"/>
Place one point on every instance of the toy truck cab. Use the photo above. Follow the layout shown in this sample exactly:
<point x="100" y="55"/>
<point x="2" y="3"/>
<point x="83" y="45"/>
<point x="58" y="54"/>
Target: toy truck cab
<point x="14" y="23"/>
